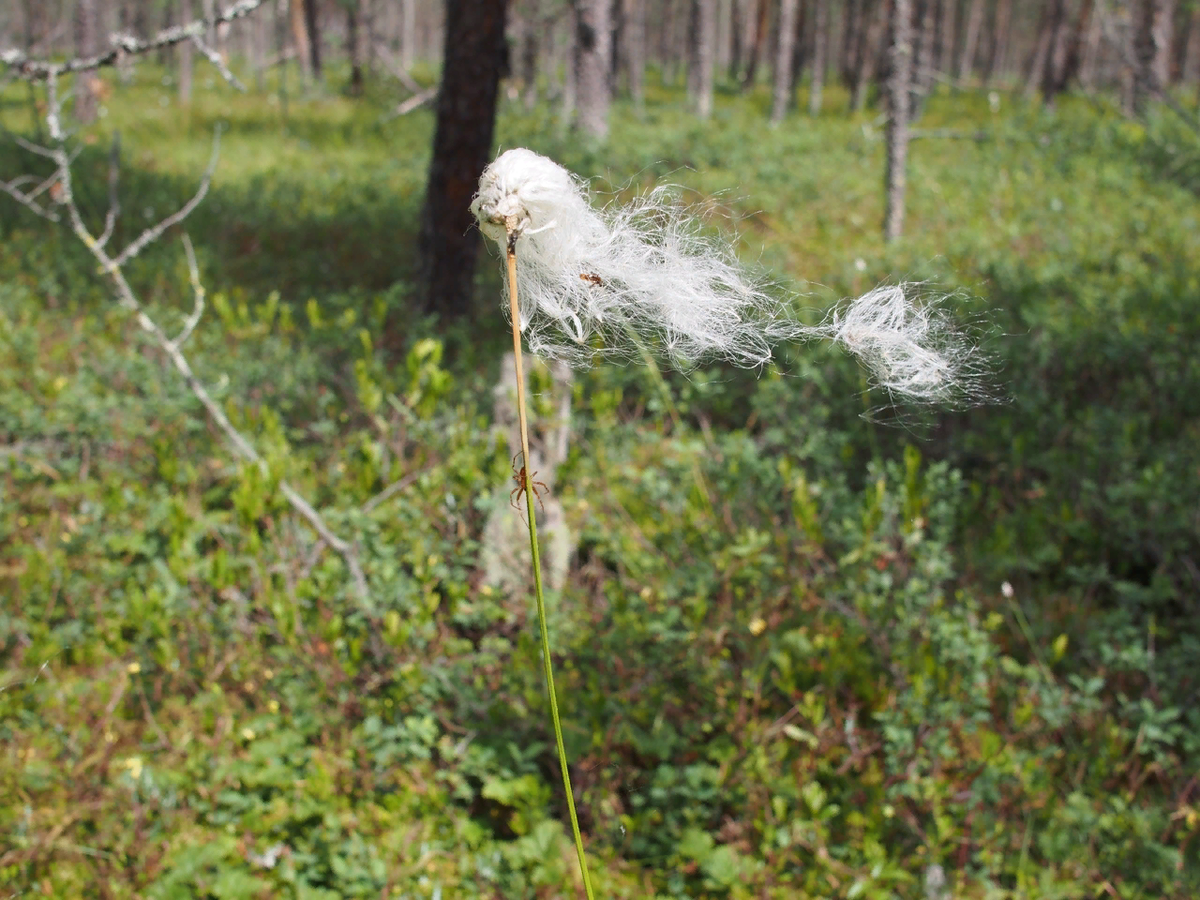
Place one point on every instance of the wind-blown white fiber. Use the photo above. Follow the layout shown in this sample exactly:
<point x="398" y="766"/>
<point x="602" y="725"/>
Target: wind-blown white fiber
<point x="587" y="278"/>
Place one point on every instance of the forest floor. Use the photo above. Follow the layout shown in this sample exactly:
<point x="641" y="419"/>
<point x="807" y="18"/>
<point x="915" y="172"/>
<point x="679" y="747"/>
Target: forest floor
<point x="812" y="643"/>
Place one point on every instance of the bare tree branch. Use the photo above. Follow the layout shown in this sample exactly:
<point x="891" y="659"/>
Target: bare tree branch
<point x="114" y="202"/>
<point x="416" y="101"/>
<point x="154" y="232"/>
<point x="29" y="199"/>
<point x="189" y="324"/>
<point x="128" y="299"/>
<point x="125" y="45"/>
<point x="215" y="58"/>
<point x="61" y="191"/>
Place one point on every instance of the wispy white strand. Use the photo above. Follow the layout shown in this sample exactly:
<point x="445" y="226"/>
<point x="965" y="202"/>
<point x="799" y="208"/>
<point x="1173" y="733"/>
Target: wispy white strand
<point x="590" y="280"/>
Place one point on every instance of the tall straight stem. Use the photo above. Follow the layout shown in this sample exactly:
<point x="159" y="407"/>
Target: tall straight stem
<point x="533" y="548"/>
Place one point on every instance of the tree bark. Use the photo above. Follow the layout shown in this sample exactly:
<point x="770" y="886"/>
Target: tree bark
<point x="900" y="60"/>
<point x="354" y="48"/>
<point x="86" y="83"/>
<point x="1090" y="54"/>
<point x="800" y="50"/>
<point x="256" y="45"/>
<point x="702" y="60"/>
<point x="313" y="25"/>
<point x="530" y="44"/>
<point x="1189" y="67"/>
<point x="924" y="56"/>
<point x="1054" y="65"/>
<point x="301" y="36"/>
<point x="1067" y="53"/>
<point x="781" y="94"/>
<point x="408" y="33"/>
<point x="875" y="20"/>
<point x="593" y="36"/>
<point x="186" y="61"/>
<point x="946" y="32"/>
<point x="852" y="28"/>
<point x="1152" y="50"/>
<point x="758" y="45"/>
<point x="1041" y="51"/>
<point x="1001" y="40"/>
<point x="474" y="62"/>
<point x="635" y="50"/>
<point x="966" y="61"/>
<point x="819" y="62"/>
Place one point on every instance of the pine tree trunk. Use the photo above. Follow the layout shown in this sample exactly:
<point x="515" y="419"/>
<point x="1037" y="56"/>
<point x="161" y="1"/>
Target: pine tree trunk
<point x="1189" y="68"/>
<point x="759" y="45"/>
<point x="800" y="48"/>
<point x="593" y="37"/>
<point x="875" y="21"/>
<point x="1152" y="49"/>
<point x="301" y="37"/>
<point x="408" y="33"/>
<point x="258" y="48"/>
<point x="1041" y="51"/>
<point x="819" y="62"/>
<point x="125" y="25"/>
<point x="900" y="61"/>
<point x="924" y="56"/>
<point x="86" y="27"/>
<point x="1068" y="57"/>
<point x="1090" y="55"/>
<point x="1001" y="41"/>
<point x="1055" y="63"/>
<point x="474" y="59"/>
<point x="353" y="48"/>
<point x="946" y="31"/>
<point x="312" y="26"/>
<point x="530" y="45"/>
<point x="706" y="57"/>
<point x="780" y="95"/>
<point x="185" y="55"/>
<point x="966" y="62"/>
<point x="851" y="27"/>
<point x="635" y="53"/>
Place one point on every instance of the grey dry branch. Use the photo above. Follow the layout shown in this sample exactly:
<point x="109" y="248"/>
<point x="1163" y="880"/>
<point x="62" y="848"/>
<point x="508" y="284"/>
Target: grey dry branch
<point x="59" y="187"/>
<point x="125" y="45"/>
<point x="112" y="266"/>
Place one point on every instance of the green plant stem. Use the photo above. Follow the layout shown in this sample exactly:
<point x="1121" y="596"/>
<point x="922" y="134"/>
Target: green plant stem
<point x="537" y="563"/>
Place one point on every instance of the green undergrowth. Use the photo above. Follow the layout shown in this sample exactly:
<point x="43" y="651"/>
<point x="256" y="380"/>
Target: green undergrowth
<point x="811" y="645"/>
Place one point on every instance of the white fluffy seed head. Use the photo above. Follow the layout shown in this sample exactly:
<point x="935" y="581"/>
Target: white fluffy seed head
<point x="597" y="282"/>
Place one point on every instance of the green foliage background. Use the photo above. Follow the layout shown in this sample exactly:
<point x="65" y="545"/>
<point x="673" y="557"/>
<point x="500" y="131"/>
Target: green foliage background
<point x="803" y="652"/>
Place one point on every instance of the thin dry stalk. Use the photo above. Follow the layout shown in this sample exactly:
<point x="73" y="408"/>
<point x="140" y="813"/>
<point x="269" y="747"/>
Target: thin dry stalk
<point x="512" y="226"/>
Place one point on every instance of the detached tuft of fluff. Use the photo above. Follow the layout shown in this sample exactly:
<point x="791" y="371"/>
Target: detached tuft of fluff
<point x="591" y="281"/>
<point x="910" y="345"/>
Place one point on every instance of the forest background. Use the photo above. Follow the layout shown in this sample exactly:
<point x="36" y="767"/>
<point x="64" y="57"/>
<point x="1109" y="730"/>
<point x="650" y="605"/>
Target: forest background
<point x="810" y="642"/>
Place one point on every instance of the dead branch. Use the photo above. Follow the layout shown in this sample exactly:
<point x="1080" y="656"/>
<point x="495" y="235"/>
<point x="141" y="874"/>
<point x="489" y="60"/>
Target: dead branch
<point x="125" y="45"/>
<point x="59" y="186"/>
<point x="414" y="102"/>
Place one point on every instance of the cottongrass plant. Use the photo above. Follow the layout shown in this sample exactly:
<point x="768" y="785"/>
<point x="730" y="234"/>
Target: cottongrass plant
<point x="586" y="284"/>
